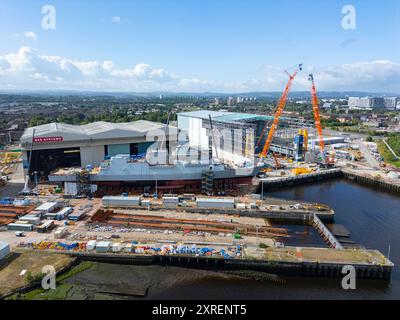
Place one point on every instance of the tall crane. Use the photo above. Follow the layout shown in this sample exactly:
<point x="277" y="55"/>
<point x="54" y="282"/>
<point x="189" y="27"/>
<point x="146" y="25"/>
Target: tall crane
<point x="279" y="109"/>
<point x="326" y="161"/>
<point x="314" y="101"/>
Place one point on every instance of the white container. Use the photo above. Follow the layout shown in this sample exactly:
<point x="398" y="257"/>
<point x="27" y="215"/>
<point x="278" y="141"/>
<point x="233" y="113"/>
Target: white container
<point x="103" y="246"/>
<point x="48" y="207"/>
<point x="120" y="201"/>
<point x="116" y="247"/>
<point x="4" y="250"/>
<point x="91" y="245"/>
<point x="240" y="206"/>
<point x="170" y="202"/>
<point x="63" y="213"/>
<point x="70" y="188"/>
<point x="216" y="203"/>
<point x="31" y="219"/>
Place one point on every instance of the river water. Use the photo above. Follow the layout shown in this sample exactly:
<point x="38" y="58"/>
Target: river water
<point x="373" y="219"/>
<point x="371" y="216"/>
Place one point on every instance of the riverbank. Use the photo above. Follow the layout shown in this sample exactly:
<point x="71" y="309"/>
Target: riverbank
<point x="23" y="268"/>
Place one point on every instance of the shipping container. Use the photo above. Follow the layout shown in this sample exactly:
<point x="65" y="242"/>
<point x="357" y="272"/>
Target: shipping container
<point x="70" y="188"/>
<point x="4" y="250"/>
<point x="91" y="245"/>
<point x="48" y="207"/>
<point x="63" y="213"/>
<point x="31" y="219"/>
<point x="76" y="215"/>
<point x="20" y="227"/>
<point x="216" y="203"/>
<point x="103" y="246"/>
<point x="170" y="202"/>
<point x="120" y="201"/>
<point x="117" y="247"/>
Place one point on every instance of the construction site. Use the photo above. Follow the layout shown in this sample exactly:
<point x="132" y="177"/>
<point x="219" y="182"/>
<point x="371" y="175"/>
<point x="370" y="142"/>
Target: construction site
<point x="201" y="194"/>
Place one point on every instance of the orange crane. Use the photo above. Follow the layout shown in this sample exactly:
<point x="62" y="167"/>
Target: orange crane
<point x="326" y="161"/>
<point x="279" y="109"/>
<point x="314" y="101"/>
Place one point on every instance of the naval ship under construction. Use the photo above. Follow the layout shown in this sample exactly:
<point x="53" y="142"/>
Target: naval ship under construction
<point x="122" y="174"/>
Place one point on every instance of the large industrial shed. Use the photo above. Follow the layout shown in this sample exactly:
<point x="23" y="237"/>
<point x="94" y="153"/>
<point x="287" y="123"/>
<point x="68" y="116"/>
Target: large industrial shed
<point x="240" y="132"/>
<point x="60" y="145"/>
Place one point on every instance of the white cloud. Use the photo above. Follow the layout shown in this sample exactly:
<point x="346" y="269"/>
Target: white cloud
<point x="30" y="35"/>
<point x="27" y="69"/>
<point x="373" y="76"/>
<point x="116" y="19"/>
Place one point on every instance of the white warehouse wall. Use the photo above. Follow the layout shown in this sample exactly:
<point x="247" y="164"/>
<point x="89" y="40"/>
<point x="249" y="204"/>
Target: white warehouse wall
<point x="197" y="134"/>
<point x="92" y="155"/>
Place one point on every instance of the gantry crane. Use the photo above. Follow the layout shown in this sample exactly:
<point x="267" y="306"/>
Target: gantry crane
<point x="279" y="109"/>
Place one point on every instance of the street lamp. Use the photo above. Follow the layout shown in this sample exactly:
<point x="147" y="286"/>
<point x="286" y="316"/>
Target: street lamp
<point x="155" y="173"/>
<point x="36" y="183"/>
<point x="35" y="173"/>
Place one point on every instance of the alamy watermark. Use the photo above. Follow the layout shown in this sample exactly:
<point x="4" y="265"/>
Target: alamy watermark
<point x="349" y="21"/>
<point x="49" y="279"/>
<point x="49" y="20"/>
<point x="232" y="147"/>
<point x="349" y="280"/>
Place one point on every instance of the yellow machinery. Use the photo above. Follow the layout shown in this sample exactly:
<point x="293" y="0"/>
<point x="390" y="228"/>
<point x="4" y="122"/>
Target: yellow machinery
<point x="304" y="133"/>
<point x="301" y="170"/>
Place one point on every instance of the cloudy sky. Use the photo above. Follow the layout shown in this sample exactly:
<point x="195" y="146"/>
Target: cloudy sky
<point x="198" y="45"/>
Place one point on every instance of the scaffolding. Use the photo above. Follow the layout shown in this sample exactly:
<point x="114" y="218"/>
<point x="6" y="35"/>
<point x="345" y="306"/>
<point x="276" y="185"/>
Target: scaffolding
<point x="207" y="182"/>
<point x="237" y="136"/>
<point x="83" y="183"/>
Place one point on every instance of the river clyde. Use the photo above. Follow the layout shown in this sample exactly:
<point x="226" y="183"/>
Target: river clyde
<point x="372" y="217"/>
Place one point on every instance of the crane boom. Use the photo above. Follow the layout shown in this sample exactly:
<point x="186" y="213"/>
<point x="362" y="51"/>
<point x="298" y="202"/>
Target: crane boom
<point x="314" y="101"/>
<point x="279" y="109"/>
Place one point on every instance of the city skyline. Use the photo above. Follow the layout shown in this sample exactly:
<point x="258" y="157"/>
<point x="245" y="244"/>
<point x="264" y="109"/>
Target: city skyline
<point x="189" y="46"/>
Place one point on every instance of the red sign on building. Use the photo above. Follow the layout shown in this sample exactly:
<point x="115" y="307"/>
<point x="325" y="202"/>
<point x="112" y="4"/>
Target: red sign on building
<point x="48" y="139"/>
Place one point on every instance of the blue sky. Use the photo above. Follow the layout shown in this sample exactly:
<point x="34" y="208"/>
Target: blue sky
<point x="198" y="45"/>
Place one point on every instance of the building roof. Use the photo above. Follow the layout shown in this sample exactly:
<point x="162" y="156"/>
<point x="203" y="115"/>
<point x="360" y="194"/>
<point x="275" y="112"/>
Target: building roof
<point x="225" y="116"/>
<point x="46" y="206"/>
<point x="203" y="114"/>
<point x="4" y="245"/>
<point x="95" y="130"/>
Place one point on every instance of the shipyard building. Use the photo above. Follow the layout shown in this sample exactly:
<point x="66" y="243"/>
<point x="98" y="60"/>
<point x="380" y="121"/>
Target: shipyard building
<point x="60" y="145"/>
<point x="237" y="135"/>
<point x="209" y="151"/>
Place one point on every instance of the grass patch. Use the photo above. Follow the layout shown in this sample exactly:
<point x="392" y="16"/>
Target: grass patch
<point x="62" y="289"/>
<point x="60" y="293"/>
<point x="388" y="157"/>
<point x="33" y="262"/>
<point x="85" y="265"/>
